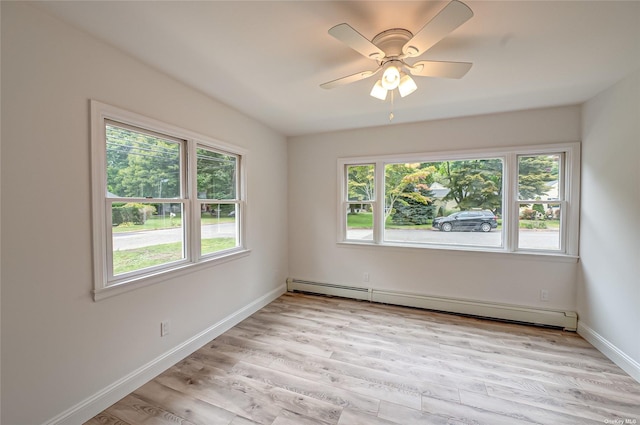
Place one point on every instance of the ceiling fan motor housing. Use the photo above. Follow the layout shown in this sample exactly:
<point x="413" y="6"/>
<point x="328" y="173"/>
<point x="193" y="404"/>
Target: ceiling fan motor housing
<point x="391" y="42"/>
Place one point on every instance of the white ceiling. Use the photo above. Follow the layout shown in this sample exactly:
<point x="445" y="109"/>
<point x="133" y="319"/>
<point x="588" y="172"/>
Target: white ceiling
<point x="268" y="58"/>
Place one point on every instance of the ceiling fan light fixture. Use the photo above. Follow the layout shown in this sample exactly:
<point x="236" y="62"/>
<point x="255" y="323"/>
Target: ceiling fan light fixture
<point x="406" y="86"/>
<point x="378" y="91"/>
<point x="391" y="77"/>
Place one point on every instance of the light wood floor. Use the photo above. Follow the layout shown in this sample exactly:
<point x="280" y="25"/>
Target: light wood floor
<point x="316" y="360"/>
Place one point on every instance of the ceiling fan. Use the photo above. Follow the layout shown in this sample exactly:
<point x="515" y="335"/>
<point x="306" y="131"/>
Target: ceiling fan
<point x="390" y="48"/>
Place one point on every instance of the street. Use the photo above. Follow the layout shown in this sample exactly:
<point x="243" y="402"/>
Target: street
<point x="132" y="240"/>
<point x="529" y="239"/>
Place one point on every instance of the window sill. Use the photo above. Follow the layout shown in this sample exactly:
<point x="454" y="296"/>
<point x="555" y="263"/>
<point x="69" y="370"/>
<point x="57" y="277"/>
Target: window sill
<point x="152" y="279"/>
<point x="466" y="251"/>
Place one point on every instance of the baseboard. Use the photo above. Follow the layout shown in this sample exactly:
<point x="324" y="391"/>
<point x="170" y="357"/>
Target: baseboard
<point x="614" y="354"/>
<point x="566" y="320"/>
<point x="96" y="403"/>
<point x="329" y="289"/>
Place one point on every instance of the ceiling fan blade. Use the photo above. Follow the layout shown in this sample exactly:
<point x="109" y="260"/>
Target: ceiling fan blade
<point x="355" y="40"/>
<point x="448" y="19"/>
<point x="349" y="79"/>
<point x="440" y="69"/>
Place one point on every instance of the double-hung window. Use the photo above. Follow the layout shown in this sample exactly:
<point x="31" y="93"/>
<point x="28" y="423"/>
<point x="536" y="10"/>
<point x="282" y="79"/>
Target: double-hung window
<point x="164" y="200"/>
<point x="522" y="199"/>
<point x="541" y="201"/>
<point x="360" y="198"/>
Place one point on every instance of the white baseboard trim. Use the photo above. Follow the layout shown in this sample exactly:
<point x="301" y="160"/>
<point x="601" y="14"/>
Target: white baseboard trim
<point x="566" y="320"/>
<point x="99" y="401"/>
<point x="616" y="355"/>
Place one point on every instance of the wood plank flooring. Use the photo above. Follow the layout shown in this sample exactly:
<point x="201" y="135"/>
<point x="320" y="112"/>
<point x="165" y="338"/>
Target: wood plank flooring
<point x="308" y="359"/>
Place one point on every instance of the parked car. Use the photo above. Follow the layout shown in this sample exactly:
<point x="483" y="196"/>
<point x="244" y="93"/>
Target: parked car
<point x="483" y="220"/>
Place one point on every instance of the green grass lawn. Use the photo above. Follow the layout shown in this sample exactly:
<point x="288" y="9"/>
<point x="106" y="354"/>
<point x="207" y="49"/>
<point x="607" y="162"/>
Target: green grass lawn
<point x="365" y="221"/>
<point x="540" y="224"/>
<point x="360" y="221"/>
<point x="157" y="222"/>
<point x="140" y="258"/>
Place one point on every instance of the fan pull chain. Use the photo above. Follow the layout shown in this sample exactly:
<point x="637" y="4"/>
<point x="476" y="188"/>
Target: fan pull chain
<point x="391" y="113"/>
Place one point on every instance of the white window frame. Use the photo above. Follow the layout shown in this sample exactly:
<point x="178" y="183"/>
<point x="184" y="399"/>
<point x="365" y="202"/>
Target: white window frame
<point x="107" y="285"/>
<point x="371" y="202"/>
<point x="570" y="212"/>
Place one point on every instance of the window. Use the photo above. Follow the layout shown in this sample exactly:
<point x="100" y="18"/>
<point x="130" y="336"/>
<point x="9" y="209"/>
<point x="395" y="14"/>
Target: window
<point x="217" y="198"/>
<point x="360" y="197"/>
<point x="507" y="200"/>
<point x="164" y="200"/>
<point x="540" y="201"/>
<point x="420" y="196"/>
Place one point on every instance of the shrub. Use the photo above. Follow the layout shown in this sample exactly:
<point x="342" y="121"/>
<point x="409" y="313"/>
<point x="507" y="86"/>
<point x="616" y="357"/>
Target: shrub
<point x="534" y="225"/>
<point x="145" y="209"/>
<point x="528" y="214"/>
<point x="131" y="213"/>
<point x="540" y="209"/>
<point x="411" y="213"/>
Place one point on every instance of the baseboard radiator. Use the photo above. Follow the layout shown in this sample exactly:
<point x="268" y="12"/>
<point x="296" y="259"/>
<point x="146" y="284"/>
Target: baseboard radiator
<point x="567" y="320"/>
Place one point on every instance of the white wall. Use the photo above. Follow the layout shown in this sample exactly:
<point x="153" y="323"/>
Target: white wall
<point x="0" y="231"/>
<point x="609" y="278"/>
<point x="314" y="254"/>
<point x="58" y="346"/>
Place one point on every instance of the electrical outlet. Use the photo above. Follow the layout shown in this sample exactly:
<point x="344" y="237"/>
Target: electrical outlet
<point x="365" y="277"/>
<point x="164" y="328"/>
<point x="544" y="295"/>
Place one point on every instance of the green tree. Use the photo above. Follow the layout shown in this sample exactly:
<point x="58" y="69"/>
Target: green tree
<point x="216" y="175"/>
<point x="361" y="182"/>
<point x="473" y="183"/>
<point x="534" y="172"/>
<point x="141" y="166"/>
<point x="410" y="212"/>
<point x="405" y="183"/>
<point x="118" y="148"/>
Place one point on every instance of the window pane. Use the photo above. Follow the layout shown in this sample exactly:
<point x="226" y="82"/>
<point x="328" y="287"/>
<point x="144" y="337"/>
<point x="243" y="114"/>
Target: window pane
<point x="539" y="226"/>
<point x="146" y="235"/>
<point x="360" y="182"/>
<point x="218" y="229"/>
<point x="447" y="202"/>
<point x="360" y="222"/>
<point x="216" y="175"/>
<point x="140" y="165"/>
<point x="538" y="177"/>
